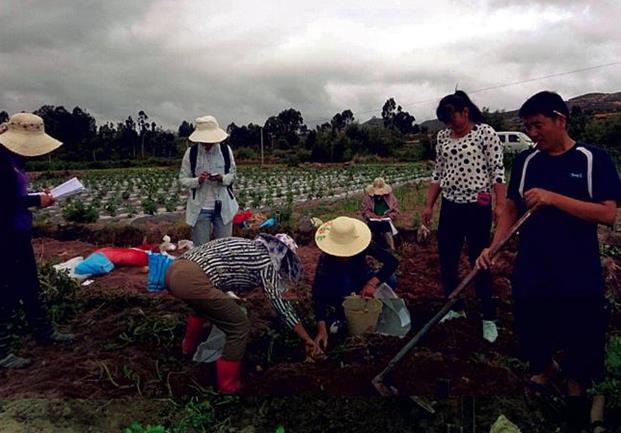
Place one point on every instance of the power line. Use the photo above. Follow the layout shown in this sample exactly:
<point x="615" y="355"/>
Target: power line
<point x="498" y="86"/>
<point x="543" y="77"/>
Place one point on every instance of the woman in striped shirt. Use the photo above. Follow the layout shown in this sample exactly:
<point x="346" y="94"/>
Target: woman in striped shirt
<point x="201" y="277"/>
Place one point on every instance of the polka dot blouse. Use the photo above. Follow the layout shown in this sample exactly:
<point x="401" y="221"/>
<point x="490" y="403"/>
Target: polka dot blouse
<point x="468" y="165"/>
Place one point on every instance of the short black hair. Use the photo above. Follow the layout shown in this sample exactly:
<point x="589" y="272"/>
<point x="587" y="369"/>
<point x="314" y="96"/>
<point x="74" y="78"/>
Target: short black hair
<point x="546" y="103"/>
<point x="456" y="102"/>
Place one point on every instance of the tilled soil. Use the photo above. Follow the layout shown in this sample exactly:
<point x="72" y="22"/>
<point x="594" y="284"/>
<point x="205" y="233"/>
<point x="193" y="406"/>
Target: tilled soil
<point x="453" y="359"/>
<point x="128" y="347"/>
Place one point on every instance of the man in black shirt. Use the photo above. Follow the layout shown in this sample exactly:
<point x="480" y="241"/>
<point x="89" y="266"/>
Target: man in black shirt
<point x="557" y="277"/>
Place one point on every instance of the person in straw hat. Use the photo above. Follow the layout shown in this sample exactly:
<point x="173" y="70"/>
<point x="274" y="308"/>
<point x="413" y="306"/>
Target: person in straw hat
<point x="342" y="269"/>
<point x="208" y="171"/>
<point x="380" y="207"/>
<point x="202" y="276"/>
<point x="22" y="136"/>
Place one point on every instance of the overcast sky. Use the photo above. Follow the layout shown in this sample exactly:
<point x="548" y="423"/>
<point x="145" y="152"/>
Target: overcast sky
<point x="245" y="60"/>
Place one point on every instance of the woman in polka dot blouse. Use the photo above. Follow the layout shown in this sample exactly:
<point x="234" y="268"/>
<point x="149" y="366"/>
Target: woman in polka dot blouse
<point x="469" y="169"/>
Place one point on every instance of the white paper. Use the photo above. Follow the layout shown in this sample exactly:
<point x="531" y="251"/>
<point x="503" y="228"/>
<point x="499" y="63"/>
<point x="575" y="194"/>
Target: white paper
<point x="71" y="187"/>
<point x="393" y="229"/>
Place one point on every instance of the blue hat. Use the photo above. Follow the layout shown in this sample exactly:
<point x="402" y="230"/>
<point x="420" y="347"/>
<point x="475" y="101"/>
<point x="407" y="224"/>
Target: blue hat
<point x="158" y="265"/>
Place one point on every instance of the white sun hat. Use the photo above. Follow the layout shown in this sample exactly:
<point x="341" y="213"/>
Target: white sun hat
<point x="208" y="131"/>
<point x="24" y="134"/>
<point x="379" y="187"/>
<point x="343" y="237"/>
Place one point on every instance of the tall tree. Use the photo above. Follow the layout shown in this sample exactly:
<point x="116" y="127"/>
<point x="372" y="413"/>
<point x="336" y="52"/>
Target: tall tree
<point x="185" y="129"/>
<point x="143" y="125"/>
<point x="577" y="123"/>
<point x="494" y="119"/>
<point x="388" y="111"/>
<point x="76" y="129"/>
<point x="396" y="118"/>
<point x="83" y="132"/>
<point x="285" y="128"/>
<point x="129" y="135"/>
<point x="342" y="120"/>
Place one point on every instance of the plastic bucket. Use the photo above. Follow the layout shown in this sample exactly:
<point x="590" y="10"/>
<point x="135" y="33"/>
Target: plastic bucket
<point x="362" y="314"/>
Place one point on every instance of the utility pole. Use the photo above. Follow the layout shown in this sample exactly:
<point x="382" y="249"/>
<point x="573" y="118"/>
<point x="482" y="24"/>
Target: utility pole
<point x="261" y="146"/>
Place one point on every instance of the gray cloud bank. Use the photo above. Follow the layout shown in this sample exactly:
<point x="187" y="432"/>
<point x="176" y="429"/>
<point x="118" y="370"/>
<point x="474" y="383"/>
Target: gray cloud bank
<point x="244" y="61"/>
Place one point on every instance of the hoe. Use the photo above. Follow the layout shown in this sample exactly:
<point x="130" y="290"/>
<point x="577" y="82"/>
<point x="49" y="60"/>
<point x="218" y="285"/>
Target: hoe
<point x="381" y="382"/>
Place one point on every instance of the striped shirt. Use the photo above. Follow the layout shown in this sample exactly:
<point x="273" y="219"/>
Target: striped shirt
<point x="239" y="265"/>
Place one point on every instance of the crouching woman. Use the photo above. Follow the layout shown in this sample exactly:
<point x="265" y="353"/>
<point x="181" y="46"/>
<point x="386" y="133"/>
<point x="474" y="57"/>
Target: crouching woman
<point x="343" y="269"/>
<point x="202" y="276"/>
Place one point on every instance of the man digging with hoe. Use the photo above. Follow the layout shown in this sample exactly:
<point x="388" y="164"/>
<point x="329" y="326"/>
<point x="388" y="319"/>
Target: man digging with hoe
<point x="557" y="278"/>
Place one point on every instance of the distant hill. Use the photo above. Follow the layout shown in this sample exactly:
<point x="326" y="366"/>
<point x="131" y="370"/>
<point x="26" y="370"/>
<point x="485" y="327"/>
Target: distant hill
<point x="598" y="102"/>
<point x="433" y="125"/>
<point x="374" y="122"/>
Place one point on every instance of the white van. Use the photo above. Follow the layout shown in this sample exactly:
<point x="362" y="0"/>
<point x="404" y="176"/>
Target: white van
<point x="514" y="141"/>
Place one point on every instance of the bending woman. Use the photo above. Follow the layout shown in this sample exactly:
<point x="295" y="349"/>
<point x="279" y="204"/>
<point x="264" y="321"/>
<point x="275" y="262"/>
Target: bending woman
<point x="202" y="276"/>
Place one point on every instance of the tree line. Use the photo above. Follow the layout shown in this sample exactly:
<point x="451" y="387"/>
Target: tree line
<point x="285" y="136"/>
<point x="83" y="140"/>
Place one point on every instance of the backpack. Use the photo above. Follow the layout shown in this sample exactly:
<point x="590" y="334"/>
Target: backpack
<point x="224" y="148"/>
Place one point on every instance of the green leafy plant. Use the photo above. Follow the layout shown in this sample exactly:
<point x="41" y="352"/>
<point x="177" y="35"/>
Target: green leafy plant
<point x="151" y="329"/>
<point x="59" y="291"/>
<point x="198" y="417"/>
<point x="112" y="207"/>
<point x="78" y="212"/>
<point x="149" y="206"/>
<point x="611" y="385"/>
<point x="137" y="427"/>
<point x="171" y="204"/>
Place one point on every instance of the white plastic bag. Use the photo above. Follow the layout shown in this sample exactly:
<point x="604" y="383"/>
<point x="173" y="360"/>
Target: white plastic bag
<point x="70" y="266"/>
<point x="395" y="317"/>
<point x="185" y="243"/>
<point x="167" y="245"/>
<point x="211" y="349"/>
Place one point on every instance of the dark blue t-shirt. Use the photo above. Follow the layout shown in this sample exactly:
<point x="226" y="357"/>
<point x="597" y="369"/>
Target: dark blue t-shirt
<point x="559" y="253"/>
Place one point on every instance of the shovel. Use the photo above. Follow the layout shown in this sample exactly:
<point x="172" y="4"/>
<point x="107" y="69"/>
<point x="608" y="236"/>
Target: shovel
<point x="379" y="381"/>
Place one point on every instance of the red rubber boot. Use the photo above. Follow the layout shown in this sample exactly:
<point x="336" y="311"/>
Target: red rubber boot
<point x="193" y="334"/>
<point x="229" y="375"/>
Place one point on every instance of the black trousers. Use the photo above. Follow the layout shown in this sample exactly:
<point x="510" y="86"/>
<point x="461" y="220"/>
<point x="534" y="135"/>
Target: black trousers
<point x="575" y="326"/>
<point x="19" y="283"/>
<point x="469" y="222"/>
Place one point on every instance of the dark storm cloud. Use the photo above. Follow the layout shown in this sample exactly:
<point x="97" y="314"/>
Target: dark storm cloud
<point x="244" y="61"/>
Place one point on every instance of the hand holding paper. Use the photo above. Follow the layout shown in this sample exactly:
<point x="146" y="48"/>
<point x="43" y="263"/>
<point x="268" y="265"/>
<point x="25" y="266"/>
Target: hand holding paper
<point x="71" y="187"/>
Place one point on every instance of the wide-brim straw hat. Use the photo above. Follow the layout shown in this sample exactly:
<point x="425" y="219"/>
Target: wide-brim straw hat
<point x="379" y="187"/>
<point x="25" y="135"/>
<point x="208" y="131"/>
<point x="343" y="237"/>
